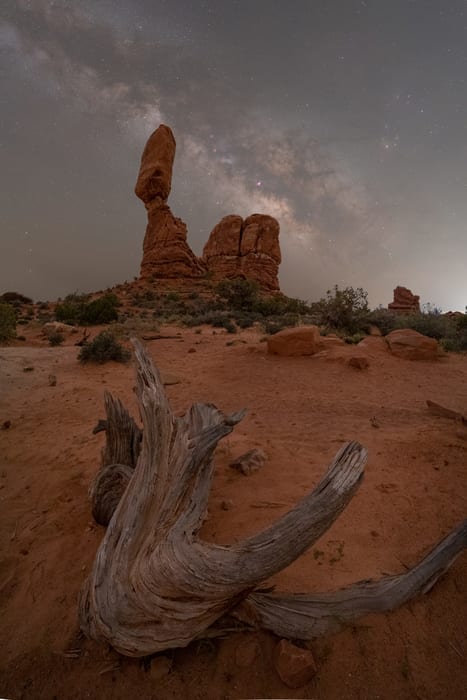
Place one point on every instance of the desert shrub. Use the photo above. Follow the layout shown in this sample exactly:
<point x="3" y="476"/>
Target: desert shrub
<point x="15" y="298"/>
<point x="238" y="293"/>
<point x="103" y="348"/>
<point x="383" y="319"/>
<point x="342" y="309"/>
<point x="7" y="322"/>
<point x="101" y="310"/>
<point x="56" y="338"/>
<point x="456" y="339"/>
<point x="434" y="325"/>
<point x="76" y="309"/>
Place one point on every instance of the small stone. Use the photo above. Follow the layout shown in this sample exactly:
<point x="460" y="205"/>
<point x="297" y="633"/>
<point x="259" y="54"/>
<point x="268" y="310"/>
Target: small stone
<point x="227" y="504"/>
<point x="52" y="380"/>
<point x="192" y="350"/>
<point x="249" y="462"/>
<point x="28" y="369"/>
<point x="358" y="361"/>
<point x="169" y="379"/>
<point x="160" y="667"/>
<point x="295" y="666"/>
<point x="6" y="424"/>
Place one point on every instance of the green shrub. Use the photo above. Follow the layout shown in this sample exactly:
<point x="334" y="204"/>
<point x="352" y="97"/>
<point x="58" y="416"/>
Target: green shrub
<point x="77" y="309"/>
<point x="15" y="298"/>
<point x="101" y="310"/>
<point x="238" y="293"/>
<point x="434" y="325"/>
<point x="7" y="322"/>
<point x="383" y="319"/>
<point x="104" y="348"/>
<point x="342" y="309"/>
<point x="56" y="338"/>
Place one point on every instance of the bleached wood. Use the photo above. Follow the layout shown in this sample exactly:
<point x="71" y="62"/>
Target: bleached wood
<point x="156" y="584"/>
<point x="304" y="616"/>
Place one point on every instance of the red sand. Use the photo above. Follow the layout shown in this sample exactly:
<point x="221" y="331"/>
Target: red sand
<point x="300" y="412"/>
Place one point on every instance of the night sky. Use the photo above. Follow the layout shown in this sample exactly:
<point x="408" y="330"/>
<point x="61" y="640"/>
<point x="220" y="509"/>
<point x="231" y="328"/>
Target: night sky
<point x="344" y="119"/>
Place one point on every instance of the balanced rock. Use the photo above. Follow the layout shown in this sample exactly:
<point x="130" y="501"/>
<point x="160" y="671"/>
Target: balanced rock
<point x="155" y="173"/>
<point x="411" y="345"/>
<point x="166" y="253"/>
<point x="245" y="248"/>
<point x="404" y="301"/>
<point x="304" y="340"/>
<point x="248" y="248"/>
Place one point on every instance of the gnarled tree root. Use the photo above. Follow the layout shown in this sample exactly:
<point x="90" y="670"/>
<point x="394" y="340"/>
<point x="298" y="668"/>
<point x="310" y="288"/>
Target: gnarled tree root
<point x="156" y="585"/>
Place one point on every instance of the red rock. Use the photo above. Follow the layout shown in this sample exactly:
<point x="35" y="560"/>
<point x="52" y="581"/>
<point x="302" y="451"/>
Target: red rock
<point x="295" y="666"/>
<point x="155" y="173"/>
<point x="250" y="462"/>
<point x="404" y="301"/>
<point x="166" y="254"/>
<point x="358" y="361"/>
<point x="373" y="344"/>
<point x="247" y="249"/>
<point x="411" y="345"/>
<point x="303" y="340"/>
<point x="331" y="341"/>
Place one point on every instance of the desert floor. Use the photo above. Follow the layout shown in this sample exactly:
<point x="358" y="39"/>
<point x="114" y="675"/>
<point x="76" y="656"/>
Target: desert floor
<point x="300" y="411"/>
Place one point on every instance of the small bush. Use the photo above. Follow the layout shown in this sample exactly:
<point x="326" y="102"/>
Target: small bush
<point x="104" y="348"/>
<point x="77" y="309"/>
<point x="238" y="293"/>
<point x="342" y="309"/>
<point x="15" y="298"/>
<point x="7" y="322"/>
<point x="434" y="325"/>
<point x="56" y="338"/>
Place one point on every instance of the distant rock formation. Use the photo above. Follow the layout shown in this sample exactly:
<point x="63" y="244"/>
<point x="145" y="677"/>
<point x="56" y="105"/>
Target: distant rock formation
<point x="166" y="254"/>
<point x="404" y="301"/>
<point x="236" y="248"/>
<point x="245" y="248"/>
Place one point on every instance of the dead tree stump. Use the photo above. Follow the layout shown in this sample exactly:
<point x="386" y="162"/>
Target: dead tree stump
<point x="156" y="585"/>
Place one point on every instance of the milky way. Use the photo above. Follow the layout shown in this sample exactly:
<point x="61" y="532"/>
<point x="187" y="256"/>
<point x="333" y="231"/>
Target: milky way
<point x="346" y="120"/>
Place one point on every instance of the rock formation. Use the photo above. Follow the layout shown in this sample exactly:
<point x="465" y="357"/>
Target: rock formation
<point x="236" y="248"/>
<point x="166" y="254"/>
<point x="245" y="248"/>
<point x="404" y="301"/>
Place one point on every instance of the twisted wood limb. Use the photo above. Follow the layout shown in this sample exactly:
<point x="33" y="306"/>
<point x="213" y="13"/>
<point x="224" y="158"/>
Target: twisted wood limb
<point x="156" y="584"/>
<point x="304" y="616"/>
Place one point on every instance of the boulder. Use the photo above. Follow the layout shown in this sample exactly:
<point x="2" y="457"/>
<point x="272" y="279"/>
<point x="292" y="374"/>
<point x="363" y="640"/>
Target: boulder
<point x="303" y="340"/>
<point x="155" y="173"/>
<point x="404" y="301"/>
<point x="295" y="666"/>
<point x="411" y="345"/>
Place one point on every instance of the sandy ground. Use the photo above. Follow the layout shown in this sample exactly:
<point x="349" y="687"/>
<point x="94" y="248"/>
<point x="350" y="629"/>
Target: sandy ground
<point x="300" y="411"/>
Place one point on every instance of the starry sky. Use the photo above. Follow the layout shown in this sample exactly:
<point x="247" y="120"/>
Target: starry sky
<point x="344" y="119"/>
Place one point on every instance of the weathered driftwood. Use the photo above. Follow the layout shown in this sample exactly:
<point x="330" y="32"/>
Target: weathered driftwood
<point x="156" y="585"/>
<point x="119" y="458"/>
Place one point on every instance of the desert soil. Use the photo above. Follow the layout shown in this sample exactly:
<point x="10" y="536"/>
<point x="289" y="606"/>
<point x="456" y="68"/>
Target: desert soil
<point x="300" y="411"/>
